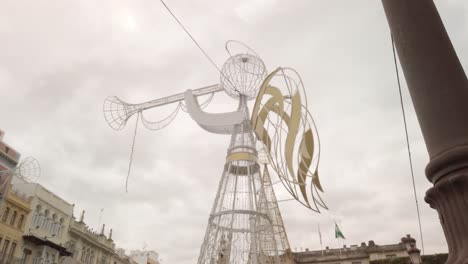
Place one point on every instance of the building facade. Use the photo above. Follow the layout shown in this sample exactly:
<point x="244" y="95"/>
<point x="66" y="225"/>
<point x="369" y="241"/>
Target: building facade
<point x="120" y="257"/>
<point x="14" y="208"/>
<point x="145" y="257"/>
<point x="363" y="254"/>
<point x="89" y="247"/>
<point x="9" y="159"/>
<point x="38" y="227"/>
<point x="45" y="236"/>
<point x="12" y="224"/>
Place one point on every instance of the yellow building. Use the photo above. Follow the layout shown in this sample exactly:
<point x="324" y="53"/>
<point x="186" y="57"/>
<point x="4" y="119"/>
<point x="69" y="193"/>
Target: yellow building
<point x="12" y="223"/>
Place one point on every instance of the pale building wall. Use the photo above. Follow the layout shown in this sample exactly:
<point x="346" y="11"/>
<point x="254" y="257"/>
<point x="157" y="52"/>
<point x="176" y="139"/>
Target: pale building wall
<point x="90" y="247"/>
<point x="48" y="220"/>
<point x="9" y="157"/>
<point x="121" y="258"/>
<point x="50" y="215"/>
<point x="389" y="254"/>
<point x="145" y="257"/>
<point x="363" y="254"/>
<point x="87" y="246"/>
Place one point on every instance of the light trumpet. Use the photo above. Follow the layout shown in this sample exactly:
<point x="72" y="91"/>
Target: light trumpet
<point x="117" y="112"/>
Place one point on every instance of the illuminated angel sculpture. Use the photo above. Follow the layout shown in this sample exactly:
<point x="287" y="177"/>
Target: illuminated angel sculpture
<point x="245" y="224"/>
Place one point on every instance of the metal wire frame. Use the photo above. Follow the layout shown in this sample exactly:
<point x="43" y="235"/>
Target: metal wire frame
<point x="226" y="239"/>
<point x="288" y="83"/>
<point x="117" y="112"/>
<point x="242" y="227"/>
<point x="241" y="75"/>
<point x="244" y="71"/>
<point x="28" y="170"/>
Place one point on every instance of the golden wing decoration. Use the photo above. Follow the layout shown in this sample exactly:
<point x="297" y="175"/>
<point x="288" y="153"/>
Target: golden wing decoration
<point x="282" y="122"/>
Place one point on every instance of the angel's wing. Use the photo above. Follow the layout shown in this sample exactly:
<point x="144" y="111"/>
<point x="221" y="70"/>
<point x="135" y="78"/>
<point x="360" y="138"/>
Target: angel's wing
<point x="282" y="122"/>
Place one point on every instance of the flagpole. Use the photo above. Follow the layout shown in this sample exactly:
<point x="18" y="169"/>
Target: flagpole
<point x="339" y="235"/>
<point x="100" y="218"/>
<point x="341" y="240"/>
<point x="320" y="237"/>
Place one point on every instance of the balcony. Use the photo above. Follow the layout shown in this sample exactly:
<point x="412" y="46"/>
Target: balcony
<point x="9" y="153"/>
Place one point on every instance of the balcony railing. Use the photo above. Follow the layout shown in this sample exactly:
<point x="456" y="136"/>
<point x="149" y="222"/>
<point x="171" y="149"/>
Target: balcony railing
<point x="38" y="260"/>
<point x="12" y="260"/>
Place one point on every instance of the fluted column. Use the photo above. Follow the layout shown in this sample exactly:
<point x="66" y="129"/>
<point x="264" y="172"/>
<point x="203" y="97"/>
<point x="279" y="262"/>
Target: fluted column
<point x="439" y="91"/>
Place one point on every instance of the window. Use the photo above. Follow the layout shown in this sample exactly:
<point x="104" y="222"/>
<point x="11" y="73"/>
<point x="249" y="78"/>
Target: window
<point x="83" y="254"/>
<point x="59" y="231"/>
<point x="13" y="218"/>
<point x="60" y="227"/>
<point x="20" y="221"/>
<point x="49" y="226"/>
<point x="26" y="254"/>
<point x="5" y="214"/>
<point x="45" y="223"/>
<point x="37" y="221"/>
<point x="12" y="251"/>
<point x="4" y="248"/>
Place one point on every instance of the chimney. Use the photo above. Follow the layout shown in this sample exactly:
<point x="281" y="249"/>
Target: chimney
<point x="82" y="216"/>
<point x="413" y="251"/>
<point x="408" y="241"/>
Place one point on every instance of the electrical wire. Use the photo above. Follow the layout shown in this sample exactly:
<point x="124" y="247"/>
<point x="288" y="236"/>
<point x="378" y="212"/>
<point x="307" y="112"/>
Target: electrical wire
<point x="190" y="35"/>
<point x="138" y="115"/>
<point x="198" y="45"/>
<point x="407" y="142"/>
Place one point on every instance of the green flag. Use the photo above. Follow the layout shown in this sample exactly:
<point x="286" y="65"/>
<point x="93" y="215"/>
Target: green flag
<point x="338" y="233"/>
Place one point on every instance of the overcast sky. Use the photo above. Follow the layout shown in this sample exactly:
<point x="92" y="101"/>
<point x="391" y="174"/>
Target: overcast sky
<point x="60" y="59"/>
